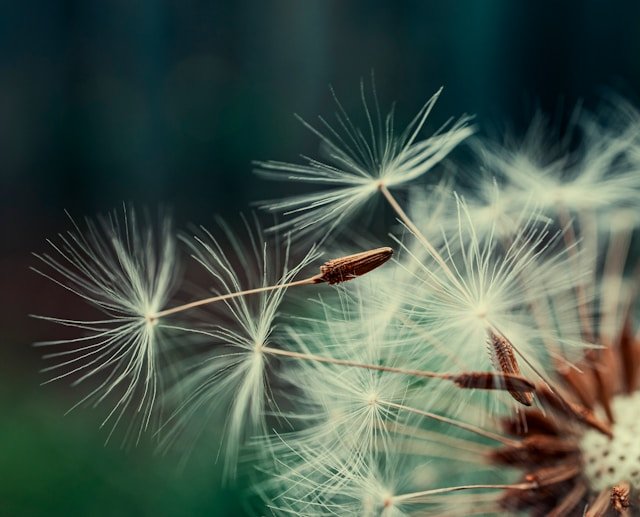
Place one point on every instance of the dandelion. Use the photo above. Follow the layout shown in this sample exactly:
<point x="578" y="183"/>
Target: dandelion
<point x="126" y="271"/>
<point x="233" y="376"/>
<point x="353" y="415"/>
<point x="492" y="366"/>
<point x="575" y="455"/>
<point x="360" y="163"/>
<point x="581" y="452"/>
<point x="479" y="294"/>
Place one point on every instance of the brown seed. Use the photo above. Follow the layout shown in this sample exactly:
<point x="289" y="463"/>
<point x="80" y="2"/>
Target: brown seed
<point x="494" y="381"/>
<point x="620" y="497"/>
<point x="349" y="267"/>
<point x="505" y="360"/>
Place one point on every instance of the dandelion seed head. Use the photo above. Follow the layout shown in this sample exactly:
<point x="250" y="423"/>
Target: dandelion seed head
<point x="490" y="286"/>
<point x="345" y="410"/>
<point x="351" y="404"/>
<point x="126" y="269"/>
<point x="358" y="163"/>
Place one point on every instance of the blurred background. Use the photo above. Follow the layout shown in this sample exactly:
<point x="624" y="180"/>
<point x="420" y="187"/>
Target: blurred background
<point x="163" y="103"/>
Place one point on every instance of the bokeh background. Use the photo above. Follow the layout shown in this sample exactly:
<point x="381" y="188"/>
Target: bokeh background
<point x="164" y="103"/>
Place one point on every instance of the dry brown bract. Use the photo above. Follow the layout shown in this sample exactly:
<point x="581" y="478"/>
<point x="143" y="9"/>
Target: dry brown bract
<point x="551" y="450"/>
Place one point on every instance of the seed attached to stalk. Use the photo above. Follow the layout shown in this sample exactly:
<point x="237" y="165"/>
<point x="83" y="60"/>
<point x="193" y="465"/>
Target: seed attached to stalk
<point x="332" y="272"/>
<point x="465" y="380"/>
<point x="495" y="381"/>
<point x="347" y="268"/>
<point x="505" y="360"/>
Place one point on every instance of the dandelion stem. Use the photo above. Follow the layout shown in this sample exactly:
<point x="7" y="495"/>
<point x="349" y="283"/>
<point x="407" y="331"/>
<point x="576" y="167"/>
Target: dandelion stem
<point x="449" y="489"/>
<point x="617" y="253"/>
<point x="347" y="362"/>
<point x="456" y="423"/>
<point x="571" y="243"/>
<point x="214" y="299"/>
<point x="583" y="313"/>
<point x="471" y="380"/>
<point x="332" y="272"/>
<point x="418" y="234"/>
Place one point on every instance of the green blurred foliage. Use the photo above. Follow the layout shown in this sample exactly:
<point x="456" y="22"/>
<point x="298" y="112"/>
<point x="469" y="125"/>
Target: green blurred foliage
<point x="59" y="465"/>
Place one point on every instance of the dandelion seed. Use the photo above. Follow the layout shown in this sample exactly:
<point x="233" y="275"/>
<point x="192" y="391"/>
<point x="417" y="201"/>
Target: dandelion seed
<point x="334" y="271"/>
<point x="232" y="378"/>
<point x="488" y="293"/>
<point x="235" y="376"/>
<point x="352" y="266"/>
<point x="360" y="164"/>
<point x="127" y="272"/>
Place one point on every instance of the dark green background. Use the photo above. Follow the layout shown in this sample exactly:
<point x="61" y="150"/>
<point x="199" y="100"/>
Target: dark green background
<point x="166" y="103"/>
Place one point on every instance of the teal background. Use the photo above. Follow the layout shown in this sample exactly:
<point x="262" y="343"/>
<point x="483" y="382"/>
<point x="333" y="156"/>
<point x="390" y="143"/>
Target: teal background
<point x="164" y="103"/>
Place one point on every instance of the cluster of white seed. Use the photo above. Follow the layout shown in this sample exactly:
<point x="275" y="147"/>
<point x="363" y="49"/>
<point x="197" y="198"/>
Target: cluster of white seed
<point x="607" y="461"/>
